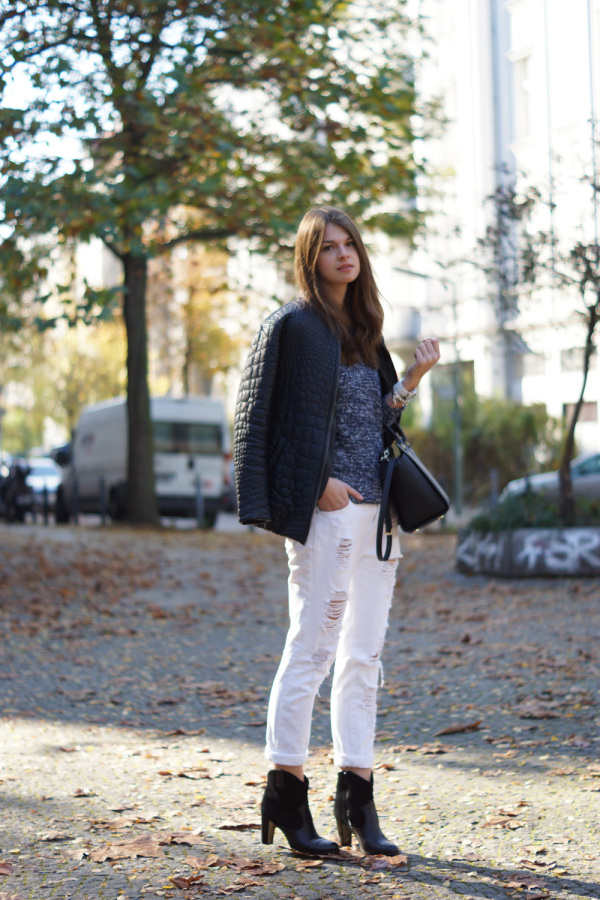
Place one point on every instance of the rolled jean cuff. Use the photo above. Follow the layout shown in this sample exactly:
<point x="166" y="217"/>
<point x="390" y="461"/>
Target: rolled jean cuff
<point x="283" y="759"/>
<point x="355" y="762"/>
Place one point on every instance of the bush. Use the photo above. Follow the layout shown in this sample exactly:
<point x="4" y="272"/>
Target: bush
<point x="495" y="434"/>
<point x="532" y="510"/>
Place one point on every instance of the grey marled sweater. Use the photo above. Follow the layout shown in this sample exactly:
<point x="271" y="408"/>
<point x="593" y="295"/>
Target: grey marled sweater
<point x="361" y="414"/>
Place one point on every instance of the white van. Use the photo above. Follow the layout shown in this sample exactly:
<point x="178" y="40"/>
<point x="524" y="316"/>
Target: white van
<point x="191" y="448"/>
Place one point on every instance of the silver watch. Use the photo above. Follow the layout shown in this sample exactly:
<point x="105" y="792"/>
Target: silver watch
<point x="400" y="394"/>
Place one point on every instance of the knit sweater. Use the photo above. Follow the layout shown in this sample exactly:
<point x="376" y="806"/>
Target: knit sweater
<point x="360" y="417"/>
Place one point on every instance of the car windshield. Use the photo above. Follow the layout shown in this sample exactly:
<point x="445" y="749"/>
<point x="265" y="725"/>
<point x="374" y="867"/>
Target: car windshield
<point x="45" y="467"/>
<point x="588" y="466"/>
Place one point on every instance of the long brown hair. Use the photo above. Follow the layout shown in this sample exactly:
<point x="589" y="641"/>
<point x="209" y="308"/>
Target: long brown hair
<point x="359" y="322"/>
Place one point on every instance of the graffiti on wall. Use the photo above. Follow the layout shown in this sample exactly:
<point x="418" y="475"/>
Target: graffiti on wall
<point x="532" y="551"/>
<point x="559" y="552"/>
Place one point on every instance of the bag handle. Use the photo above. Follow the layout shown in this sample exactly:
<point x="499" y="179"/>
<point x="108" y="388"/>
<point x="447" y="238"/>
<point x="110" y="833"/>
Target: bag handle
<point x="385" y="515"/>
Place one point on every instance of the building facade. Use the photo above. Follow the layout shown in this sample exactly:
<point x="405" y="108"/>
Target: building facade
<point x="518" y="83"/>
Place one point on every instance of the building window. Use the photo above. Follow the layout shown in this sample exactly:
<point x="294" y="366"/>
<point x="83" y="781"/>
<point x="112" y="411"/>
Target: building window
<point x="534" y="364"/>
<point x="522" y="80"/>
<point x="572" y="360"/>
<point x="587" y="413"/>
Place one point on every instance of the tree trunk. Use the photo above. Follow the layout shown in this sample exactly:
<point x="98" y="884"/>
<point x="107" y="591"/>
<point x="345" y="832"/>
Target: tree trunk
<point x="566" y="495"/>
<point x="141" y="495"/>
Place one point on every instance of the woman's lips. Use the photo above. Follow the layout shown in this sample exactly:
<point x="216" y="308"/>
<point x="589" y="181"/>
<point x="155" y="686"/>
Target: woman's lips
<point x="345" y="268"/>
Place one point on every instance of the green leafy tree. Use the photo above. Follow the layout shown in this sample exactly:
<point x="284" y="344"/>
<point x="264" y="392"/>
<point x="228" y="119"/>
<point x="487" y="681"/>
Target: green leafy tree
<point x="188" y="302"/>
<point x="194" y="121"/>
<point x="56" y="373"/>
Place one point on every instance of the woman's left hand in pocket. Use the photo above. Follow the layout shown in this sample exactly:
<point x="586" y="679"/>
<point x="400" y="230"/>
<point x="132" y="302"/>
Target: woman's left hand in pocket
<point x="336" y="495"/>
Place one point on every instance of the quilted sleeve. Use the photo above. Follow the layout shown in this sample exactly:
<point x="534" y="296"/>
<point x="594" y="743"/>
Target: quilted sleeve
<point x="251" y="427"/>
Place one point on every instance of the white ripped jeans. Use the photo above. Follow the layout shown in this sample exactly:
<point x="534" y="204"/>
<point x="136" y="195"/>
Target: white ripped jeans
<point x="339" y="597"/>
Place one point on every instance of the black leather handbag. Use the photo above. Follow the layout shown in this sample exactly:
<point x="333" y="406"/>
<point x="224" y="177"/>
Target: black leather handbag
<point x="407" y="484"/>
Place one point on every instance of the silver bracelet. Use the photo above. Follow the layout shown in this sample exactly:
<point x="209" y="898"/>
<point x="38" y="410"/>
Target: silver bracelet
<point x="400" y="394"/>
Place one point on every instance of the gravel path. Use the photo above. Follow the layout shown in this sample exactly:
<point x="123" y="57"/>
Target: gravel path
<point x="134" y="674"/>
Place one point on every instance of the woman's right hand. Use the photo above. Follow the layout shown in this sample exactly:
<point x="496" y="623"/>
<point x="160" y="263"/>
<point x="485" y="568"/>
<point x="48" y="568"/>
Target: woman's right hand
<point x="336" y="495"/>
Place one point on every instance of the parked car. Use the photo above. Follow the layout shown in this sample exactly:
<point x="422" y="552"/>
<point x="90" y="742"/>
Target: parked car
<point x="44" y="474"/>
<point x="16" y="496"/>
<point x="585" y="472"/>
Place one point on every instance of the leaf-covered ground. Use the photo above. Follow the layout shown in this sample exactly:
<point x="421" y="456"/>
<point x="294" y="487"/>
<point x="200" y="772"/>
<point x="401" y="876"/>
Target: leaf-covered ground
<point x="134" y="675"/>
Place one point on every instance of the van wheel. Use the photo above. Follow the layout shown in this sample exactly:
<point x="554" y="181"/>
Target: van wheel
<point x="61" y="513"/>
<point x="116" y="508"/>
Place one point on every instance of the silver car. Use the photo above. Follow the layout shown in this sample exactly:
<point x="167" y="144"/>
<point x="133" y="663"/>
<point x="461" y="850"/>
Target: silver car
<point x="44" y="474"/>
<point x="585" y="472"/>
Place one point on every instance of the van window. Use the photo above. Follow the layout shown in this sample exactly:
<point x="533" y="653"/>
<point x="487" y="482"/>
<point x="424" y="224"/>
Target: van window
<point x="195" y="438"/>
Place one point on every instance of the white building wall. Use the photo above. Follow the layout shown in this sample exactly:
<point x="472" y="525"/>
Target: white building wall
<point x="555" y="153"/>
<point x="514" y="82"/>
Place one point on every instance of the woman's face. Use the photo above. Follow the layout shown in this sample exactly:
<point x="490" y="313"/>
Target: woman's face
<point x="337" y="263"/>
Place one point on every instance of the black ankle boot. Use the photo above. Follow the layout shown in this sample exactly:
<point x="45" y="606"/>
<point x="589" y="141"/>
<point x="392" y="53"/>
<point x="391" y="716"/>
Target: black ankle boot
<point x="355" y="811"/>
<point x="285" y="806"/>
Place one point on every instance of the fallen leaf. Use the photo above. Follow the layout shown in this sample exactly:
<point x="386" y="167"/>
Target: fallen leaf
<point x="238" y="826"/>
<point x="197" y="863"/>
<point x="185" y="732"/>
<point x="459" y="729"/>
<point x="428" y="749"/>
<point x="566" y="771"/>
<point x="506" y="821"/>
<point x="121" y="822"/>
<point x="75" y="853"/>
<point x="309" y="864"/>
<point x="525" y="881"/>
<point x="232" y="889"/>
<point x="375" y="863"/>
<point x="532" y="709"/>
<point x="83" y="792"/>
<point x="140" y="846"/>
<point x="6" y="868"/>
<point x="182" y="837"/>
<point x="265" y="868"/>
<point x="183" y="882"/>
<point x="55" y="836"/>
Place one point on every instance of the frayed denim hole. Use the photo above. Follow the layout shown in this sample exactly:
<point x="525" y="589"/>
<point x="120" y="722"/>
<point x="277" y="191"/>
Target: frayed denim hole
<point x="343" y="553"/>
<point x="389" y="569"/>
<point x="334" y="612"/>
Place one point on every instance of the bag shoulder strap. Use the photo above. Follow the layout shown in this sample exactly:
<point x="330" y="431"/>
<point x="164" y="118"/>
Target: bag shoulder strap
<point x="385" y="516"/>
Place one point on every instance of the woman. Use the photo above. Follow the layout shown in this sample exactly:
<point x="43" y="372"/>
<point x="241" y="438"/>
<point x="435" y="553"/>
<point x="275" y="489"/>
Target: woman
<point x="317" y="391"/>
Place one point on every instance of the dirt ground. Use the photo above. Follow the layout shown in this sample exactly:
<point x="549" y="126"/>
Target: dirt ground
<point x="134" y="676"/>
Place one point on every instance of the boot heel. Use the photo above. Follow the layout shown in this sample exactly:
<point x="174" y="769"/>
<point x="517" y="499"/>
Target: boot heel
<point x="345" y="833"/>
<point x="268" y="830"/>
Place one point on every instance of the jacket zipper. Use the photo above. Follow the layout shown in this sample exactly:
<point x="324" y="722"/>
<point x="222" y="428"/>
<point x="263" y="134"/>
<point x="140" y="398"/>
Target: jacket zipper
<point x="329" y="420"/>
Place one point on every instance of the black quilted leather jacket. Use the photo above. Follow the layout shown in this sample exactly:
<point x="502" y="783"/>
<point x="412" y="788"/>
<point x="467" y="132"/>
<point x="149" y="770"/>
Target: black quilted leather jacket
<point x="285" y="419"/>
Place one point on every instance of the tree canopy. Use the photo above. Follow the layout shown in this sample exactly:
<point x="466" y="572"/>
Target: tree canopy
<point x="147" y="123"/>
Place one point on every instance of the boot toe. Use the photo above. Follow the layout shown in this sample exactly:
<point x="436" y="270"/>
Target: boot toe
<point x="316" y="846"/>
